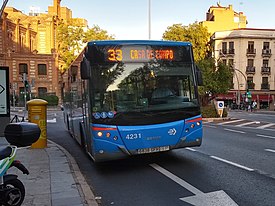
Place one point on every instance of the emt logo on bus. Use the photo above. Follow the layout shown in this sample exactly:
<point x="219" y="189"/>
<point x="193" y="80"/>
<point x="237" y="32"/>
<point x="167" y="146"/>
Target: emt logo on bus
<point x="141" y="54"/>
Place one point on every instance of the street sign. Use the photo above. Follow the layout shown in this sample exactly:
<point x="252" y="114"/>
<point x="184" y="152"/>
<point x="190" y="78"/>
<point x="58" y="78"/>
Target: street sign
<point x="220" y="104"/>
<point x="220" y="107"/>
<point x="4" y="99"/>
<point x="4" y="91"/>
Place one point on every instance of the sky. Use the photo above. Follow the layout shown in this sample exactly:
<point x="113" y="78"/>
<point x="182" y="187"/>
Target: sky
<point x="129" y="19"/>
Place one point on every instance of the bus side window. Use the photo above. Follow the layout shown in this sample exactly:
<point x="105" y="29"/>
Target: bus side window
<point x="85" y="69"/>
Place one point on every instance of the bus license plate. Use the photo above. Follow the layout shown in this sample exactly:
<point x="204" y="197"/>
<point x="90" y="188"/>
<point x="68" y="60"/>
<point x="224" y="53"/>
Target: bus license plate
<point x="152" y="150"/>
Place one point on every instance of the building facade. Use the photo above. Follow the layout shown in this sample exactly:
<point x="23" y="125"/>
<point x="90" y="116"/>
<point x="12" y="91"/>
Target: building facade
<point x="28" y="47"/>
<point x="220" y="18"/>
<point x="251" y="55"/>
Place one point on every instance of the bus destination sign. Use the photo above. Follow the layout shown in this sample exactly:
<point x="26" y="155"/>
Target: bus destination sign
<point x="115" y="55"/>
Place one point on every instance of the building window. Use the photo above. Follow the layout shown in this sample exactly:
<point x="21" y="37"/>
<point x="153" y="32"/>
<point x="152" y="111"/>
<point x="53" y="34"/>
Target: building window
<point x="250" y="83"/>
<point x="74" y="72"/>
<point x="231" y="48"/>
<point x="266" y="46"/>
<point x="23" y="68"/>
<point x="250" y="48"/>
<point x="265" y="84"/>
<point x="42" y="69"/>
<point x="250" y="63"/>
<point x="231" y="63"/>
<point x="224" y="47"/>
<point x="224" y="61"/>
<point x="266" y="49"/>
<point x="42" y="91"/>
<point x="265" y="63"/>
<point x="250" y="66"/>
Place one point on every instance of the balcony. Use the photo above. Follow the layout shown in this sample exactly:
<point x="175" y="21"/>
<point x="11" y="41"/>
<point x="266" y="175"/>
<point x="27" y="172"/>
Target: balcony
<point x="251" y="85"/>
<point x="250" y="70"/>
<point x="222" y="52"/>
<point x="265" y="70"/>
<point x="251" y="52"/>
<point x="265" y="86"/>
<point x="266" y="52"/>
<point x="227" y="52"/>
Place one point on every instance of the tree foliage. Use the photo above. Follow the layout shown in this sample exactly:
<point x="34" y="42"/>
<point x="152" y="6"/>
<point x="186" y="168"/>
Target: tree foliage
<point x="71" y="39"/>
<point x="217" y="79"/>
<point x="195" y="33"/>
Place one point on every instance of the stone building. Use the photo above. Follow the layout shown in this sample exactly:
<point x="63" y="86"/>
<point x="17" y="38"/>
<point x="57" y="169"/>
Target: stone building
<point x="219" y="18"/>
<point x="28" y="45"/>
<point x="250" y="53"/>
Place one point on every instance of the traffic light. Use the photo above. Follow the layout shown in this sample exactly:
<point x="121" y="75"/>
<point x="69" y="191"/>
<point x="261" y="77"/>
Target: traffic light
<point x="26" y="83"/>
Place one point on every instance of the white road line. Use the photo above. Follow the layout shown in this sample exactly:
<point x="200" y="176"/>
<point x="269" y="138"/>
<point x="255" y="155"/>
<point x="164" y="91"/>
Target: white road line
<point x="210" y="126"/>
<point x="231" y="130"/>
<point x="270" y="150"/>
<point x="232" y="163"/>
<point x="176" y="179"/>
<point x="261" y="135"/>
<point x="244" y="124"/>
<point x="233" y="121"/>
<point x="191" y="149"/>
<point x="51" y="120"/>
<point x="265" y="126"/>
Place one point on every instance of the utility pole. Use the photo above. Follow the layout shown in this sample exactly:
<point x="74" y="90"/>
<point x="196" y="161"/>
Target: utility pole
<point x="3" y="7"/>
<point x="149" y="18"/>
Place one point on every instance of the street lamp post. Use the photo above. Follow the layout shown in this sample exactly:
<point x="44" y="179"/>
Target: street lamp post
<point x="3" y="7"/>
<point x="149" y="19"/>
<point x="246" y="86"/>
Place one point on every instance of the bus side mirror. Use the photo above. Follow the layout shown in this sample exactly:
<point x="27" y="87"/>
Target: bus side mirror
<point x="199" y="76"/>
<point x="85" y="69"/>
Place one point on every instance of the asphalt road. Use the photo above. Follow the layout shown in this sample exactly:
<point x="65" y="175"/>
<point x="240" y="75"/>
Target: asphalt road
<point x="233" y="163"/>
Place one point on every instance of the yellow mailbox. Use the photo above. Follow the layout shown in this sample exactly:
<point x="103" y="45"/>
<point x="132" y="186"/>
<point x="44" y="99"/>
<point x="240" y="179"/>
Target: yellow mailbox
<point x="37" y="113"/>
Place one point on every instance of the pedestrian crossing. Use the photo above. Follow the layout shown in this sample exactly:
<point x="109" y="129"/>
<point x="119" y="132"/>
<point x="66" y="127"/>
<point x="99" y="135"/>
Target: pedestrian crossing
<point x="241" y="123"/>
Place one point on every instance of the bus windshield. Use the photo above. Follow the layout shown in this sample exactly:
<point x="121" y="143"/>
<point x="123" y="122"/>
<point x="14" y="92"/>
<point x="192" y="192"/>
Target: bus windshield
<point x="142" y="92"/>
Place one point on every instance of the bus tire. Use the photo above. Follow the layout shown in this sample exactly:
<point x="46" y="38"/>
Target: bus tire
<point x="68" y="125"/>
<point x="82" y="139"/>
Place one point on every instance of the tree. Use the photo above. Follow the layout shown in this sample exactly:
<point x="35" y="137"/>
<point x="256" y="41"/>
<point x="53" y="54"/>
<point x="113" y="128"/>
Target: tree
<point x="195" y="33"/>
<point x="71" y="39"/>
<point x="217" y="79"/>
<point x="95" y="33"/>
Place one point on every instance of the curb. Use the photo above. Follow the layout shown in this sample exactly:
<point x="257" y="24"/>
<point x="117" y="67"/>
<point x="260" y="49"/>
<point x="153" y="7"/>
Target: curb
<point x="84" y="189"/>
<point x="215" y="119"/>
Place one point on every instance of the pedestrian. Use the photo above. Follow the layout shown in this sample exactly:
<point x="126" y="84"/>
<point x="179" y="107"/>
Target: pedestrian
<point x="254" y="105"/>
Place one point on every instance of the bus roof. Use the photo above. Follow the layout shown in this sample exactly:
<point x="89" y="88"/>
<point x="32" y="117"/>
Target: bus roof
<point x="140" y="42"/>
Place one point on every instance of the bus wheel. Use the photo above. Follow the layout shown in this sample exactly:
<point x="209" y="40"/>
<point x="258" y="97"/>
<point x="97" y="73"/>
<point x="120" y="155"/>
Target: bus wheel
<point x="68" y="124"/>
<point x="82" y="138"/>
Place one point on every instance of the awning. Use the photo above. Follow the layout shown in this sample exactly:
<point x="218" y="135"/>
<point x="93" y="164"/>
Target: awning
<point x="257" y="97"/>
<point x="229" y="96"/>
<point x="264" y="98"/>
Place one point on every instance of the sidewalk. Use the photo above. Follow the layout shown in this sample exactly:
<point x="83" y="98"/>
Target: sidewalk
<point x="54" y="179"/>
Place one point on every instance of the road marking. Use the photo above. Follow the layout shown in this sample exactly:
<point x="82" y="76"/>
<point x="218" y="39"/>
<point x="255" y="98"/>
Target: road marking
<point x="261" y="135"/>
<point x="265" y="126"/>
<point x="244" y="124"/>
<point x="233" y="121"/>
<point x="231" y="130"/>
<point x="215" y="198"/>
<point x="51" y="120"/>
<point x="210" y="126"/>
<point x="191" y="149"/>
<point x="233" y="163"/>
<point x="270" y="150"/>
<point x="176" y="179"/>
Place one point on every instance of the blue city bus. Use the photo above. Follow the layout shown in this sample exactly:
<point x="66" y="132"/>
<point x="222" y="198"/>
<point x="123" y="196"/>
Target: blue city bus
<point x="124" y="98"/>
